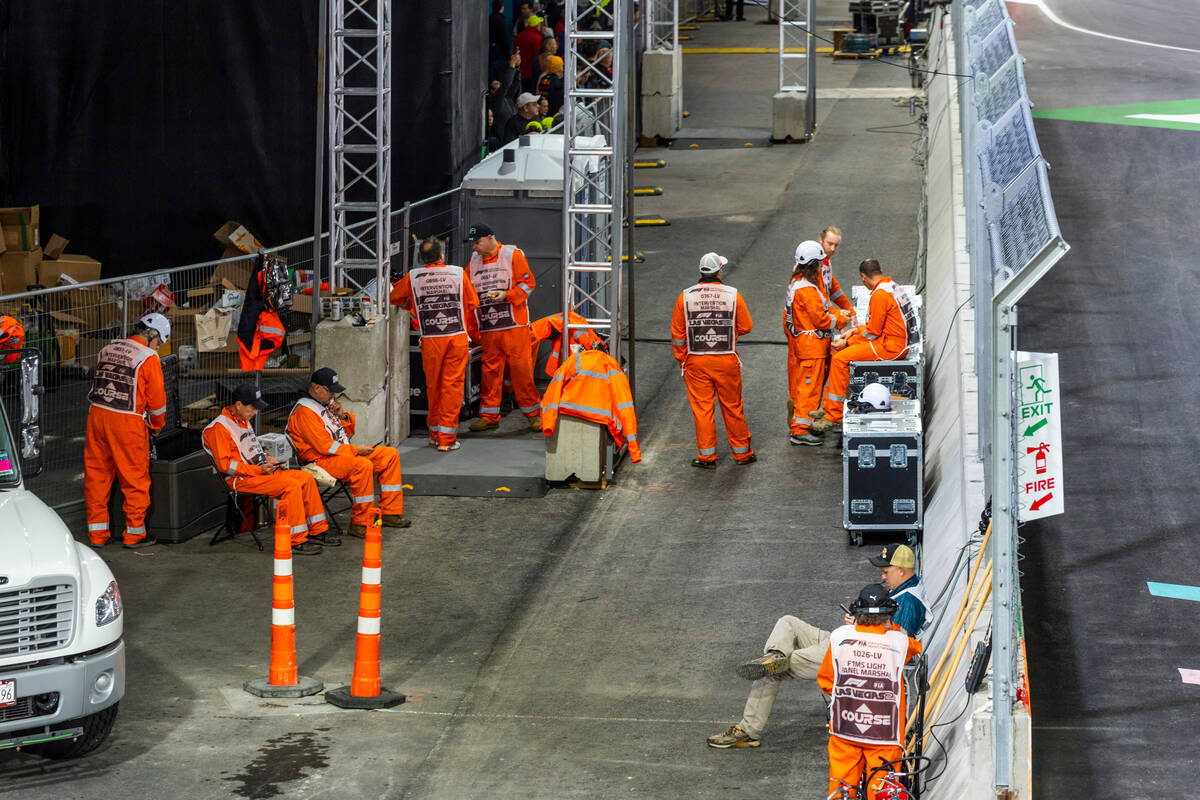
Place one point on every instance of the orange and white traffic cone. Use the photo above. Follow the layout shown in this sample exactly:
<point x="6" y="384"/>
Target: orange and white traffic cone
<point x="283" y="680"/>
<point x="364" y="690"/>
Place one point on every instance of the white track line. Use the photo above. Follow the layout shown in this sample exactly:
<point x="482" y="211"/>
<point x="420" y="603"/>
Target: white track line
<point x="1041" y="4"/>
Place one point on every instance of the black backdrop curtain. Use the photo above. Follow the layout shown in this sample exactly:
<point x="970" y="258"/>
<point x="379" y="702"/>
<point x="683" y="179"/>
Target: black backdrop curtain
<point x="142" y="126"/>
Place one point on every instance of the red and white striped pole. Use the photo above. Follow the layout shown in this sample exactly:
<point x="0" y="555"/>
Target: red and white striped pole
<point x="283" y="680"/>
<point x="364" y="690"/>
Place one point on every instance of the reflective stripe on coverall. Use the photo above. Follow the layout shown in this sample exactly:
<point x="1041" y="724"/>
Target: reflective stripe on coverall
<point x="863" y="672"/>
<point x="321" y="438"/>
<point x="444" y="352"/>
<point x="713" y="378"/>
<point x="885" y="337"/>
<point x="504" y="330"/>
<point x="808" y="322"/>
<point x="268" y="336"/>
<point x="236" y="452"/>
<point x="591" y="386"/>
<point x="551" y="327"/>
<point x="127" y="386"/>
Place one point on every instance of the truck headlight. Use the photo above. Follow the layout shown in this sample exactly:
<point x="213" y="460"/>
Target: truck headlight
<point x="108" y="605"/>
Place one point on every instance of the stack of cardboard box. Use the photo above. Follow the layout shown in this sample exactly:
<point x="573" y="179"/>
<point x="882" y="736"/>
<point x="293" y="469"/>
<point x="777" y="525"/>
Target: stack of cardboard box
<point x="22" y="251"/>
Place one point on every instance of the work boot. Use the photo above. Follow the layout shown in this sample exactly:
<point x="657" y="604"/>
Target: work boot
<point x="396" y="521"/>
<point x="306" y="549"/>
<point x="743" y="462"/>
<point x="326" y="539"/>
<point x="704" y="464"/>
<point x="734" y="737"/>
<point x="446" y="448"/>
<point x="806" y="438"/>
<point x="822" y="425"/>
<point x="138" y="545"/>
<point x="818" y="414"/>
<point x="535" y="424"/>
<point x="773" y="663"/>
<point x="483" y="425"/>
<point x="357" y="531"/>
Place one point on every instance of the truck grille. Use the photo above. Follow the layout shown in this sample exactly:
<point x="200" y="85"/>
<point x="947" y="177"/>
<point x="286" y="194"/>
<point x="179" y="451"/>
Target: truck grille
<point x="36" y="619"/>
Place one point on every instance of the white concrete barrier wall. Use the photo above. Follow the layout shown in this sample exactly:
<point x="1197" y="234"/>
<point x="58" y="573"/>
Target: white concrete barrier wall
<point x="954" y="481"/>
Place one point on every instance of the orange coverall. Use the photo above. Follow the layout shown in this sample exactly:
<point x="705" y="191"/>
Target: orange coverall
<point x="551" y="327"/>
<point x="118" y="442"/>
<point x="808" y="322"/>
<point x="883" y="338"/>
<point x="832" y="292"/>
<point x="712" y="379"/>
<point x="268" y="336"/>
<point x="590" y="385"/>
<point x="849" y="759"/>
<point x="12" y="337"/>
<point x="313" y="437"/>
<point x="298" y="489"/>
<point x="505" y="347"/>
<point x="444" y="359"/>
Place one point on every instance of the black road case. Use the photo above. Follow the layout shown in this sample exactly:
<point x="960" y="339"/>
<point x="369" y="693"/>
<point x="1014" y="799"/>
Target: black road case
<point x="883" y="474"/>
<point x="901" y="377"/>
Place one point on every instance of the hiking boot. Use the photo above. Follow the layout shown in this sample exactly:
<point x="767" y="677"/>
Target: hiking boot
<point x="535" y="424"/>
<point x="704" y="464"/>
<point x="326" y="539"/>
<point x="481" y="425"/>
<point x="773" y="663"/>
<point x="357" y="531"/>
<point x="138" y="545"/>
<point x="396" y="521"/>
<point x="446" y="448"/>
<point x="734" y="737"/>
<point x="821" y="425"/>
<point x="806" y="438"/>
<point x="306" y="549"/>
<point x="818" y="414"/>
<point x="743" y="462"/>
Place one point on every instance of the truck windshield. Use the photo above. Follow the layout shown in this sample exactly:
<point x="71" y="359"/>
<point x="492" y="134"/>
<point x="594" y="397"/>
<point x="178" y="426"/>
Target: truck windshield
<point x="10" y="452"/>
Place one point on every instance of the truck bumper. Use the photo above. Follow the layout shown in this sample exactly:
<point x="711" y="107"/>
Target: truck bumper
<point x="85" y="684"/>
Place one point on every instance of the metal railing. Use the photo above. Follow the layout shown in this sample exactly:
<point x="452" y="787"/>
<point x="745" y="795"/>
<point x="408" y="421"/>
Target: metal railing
<point x="1013" y="239"/>
<point x="69" y="324"/>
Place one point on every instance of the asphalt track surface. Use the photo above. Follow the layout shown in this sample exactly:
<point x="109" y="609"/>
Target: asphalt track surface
<point x="1112" y="713"/>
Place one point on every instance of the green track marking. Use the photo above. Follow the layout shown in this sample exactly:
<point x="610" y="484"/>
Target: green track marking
<point x="1182" y="115"/>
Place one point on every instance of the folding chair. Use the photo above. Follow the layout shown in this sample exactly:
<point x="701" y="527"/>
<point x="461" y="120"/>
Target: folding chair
<point x="235" y="518"/>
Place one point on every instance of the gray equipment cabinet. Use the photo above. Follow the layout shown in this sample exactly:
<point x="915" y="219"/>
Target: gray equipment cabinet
<point x="883" y="473"/>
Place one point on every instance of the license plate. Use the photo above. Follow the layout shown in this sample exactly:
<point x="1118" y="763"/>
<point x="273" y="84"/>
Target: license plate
<point x="8" y="693"/>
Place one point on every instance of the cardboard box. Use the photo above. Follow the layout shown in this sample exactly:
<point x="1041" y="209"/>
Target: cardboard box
<point x="54" y="247"/>
<point x="19" y="269"/>
<point x="235" y="273"/>
<point x="81" y="268"/>
<point x="94" y="306"/>
<point x="20" y="225"/>
<point x="234" y="234"/>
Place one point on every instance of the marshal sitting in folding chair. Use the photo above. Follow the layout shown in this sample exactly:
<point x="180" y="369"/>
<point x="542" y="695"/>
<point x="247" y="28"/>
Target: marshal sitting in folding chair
<point x="320" y="430"/>
<point x="239" y="457"/>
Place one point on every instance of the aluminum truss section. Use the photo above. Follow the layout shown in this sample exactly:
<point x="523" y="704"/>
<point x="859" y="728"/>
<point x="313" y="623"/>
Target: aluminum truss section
<point x="360" y="143"/>
<point x="662" y="19"/>
<point x="795" y="45"/>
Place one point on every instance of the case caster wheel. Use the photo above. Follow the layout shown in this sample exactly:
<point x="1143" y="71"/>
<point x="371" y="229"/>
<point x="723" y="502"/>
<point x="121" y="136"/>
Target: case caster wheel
<point x="856" y="538"/>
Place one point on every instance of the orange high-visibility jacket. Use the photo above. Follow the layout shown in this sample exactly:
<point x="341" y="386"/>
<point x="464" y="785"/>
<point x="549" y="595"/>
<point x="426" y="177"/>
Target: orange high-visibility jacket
<point x="268" y="336"/>
<point x="507" y="269"/>
<point x="843" y="637"/>
<point x="316" y="432"/>
<point x="592" y="386"/>
<point x="12" y="337"/>
<point x="130" y="363"/>
<point x="742" y="322"/>
<point x="832" y="290"/>
<point x="808" y="317"/>
<point x="402" y="295"/>
<point x="551" y="327"/>
<point x="232" y="461"/>
<point x="886" y="330"/>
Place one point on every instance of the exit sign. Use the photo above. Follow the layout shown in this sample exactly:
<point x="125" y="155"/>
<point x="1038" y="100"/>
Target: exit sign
<point x="1039" y="436"/>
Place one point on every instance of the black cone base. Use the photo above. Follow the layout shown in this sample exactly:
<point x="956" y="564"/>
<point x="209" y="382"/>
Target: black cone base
<point x="342" y="698"/>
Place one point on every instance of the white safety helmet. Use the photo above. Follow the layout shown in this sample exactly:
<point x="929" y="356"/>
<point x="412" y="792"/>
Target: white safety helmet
<point x="808" y="250"/>
<point x="159" y="324"/>
<point x="875" y="397"/>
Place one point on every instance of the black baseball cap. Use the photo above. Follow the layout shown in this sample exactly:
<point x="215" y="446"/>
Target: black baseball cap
<point x="327" y="378"/>
<point x="895" y="555"/>
<point x="478" y="231"/>
<point x="249" y="394"/>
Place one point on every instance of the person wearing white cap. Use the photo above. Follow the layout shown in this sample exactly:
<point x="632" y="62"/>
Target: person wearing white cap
<point x="128" y="406"/>
<point x="707" y="320"/>
<point x="809" y="321"/>
<point x="527" y="109"/>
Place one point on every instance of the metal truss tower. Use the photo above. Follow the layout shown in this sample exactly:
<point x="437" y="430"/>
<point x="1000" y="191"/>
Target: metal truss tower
<point x="360" y="143"/>
<point x="662" y="20"/>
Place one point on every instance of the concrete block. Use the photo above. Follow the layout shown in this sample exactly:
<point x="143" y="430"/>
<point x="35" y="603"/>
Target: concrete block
<point x="787" y="116"/>
<point x="575" y="448"/>
<point x="357" y="354"/>
<point x="662" y="115"/>
<point x="369" y="418"/>
<point x="662" y="72"/>
<point x="401" y="365"/>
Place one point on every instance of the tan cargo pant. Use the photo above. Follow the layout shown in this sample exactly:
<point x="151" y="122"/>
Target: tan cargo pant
<point x="806" y="645"/>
